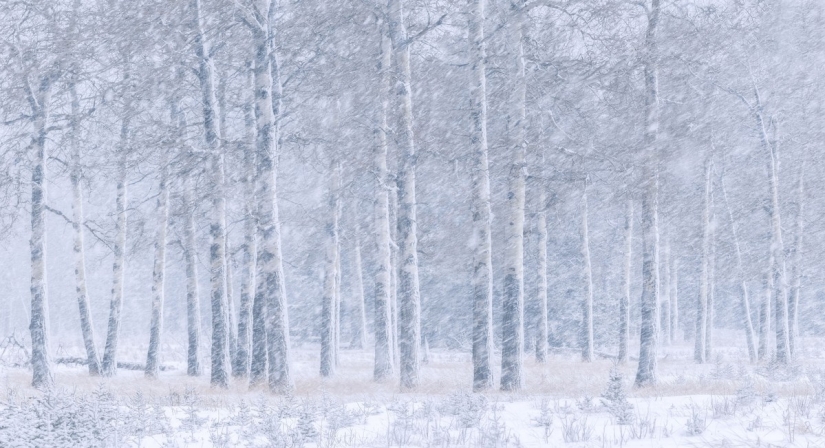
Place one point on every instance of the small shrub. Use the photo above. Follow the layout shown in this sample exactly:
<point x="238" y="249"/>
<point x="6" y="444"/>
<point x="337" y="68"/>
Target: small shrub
<point x="697" y="422"/>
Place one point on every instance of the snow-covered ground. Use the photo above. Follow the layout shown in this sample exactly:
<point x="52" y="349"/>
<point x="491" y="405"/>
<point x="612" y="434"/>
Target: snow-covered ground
<point x="726" y="403"/>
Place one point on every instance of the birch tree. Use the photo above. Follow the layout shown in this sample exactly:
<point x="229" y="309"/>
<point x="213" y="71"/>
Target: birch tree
<point x="646" y="374"/>
<point x="270" y="292"/>
<point x="409" y="300"/>
<point x="248" y="249"/>
<point x="743" y="285"/>
<point x="700" y="344"/>
<point x="587" y="303"/>
<point x="624" y="300"/>
<point x="156" y="323"/>
<point x="329" y="312"/>
<point x="358" y="317"/>
<point x="512" y="343"/>
<point x="382" y="188"/>
<point x="482" y="215"/>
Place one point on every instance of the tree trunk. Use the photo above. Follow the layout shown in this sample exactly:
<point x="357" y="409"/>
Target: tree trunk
<point x="777" y="264"/>
<point x="193" y="313"/>
<point x="230" y="303"/>
<point x="541" y="225"/>
<point x="409" y="300"/>
<point x="664" y="304"/>
<point x="86" y="326"/>
<point x="512" y="342"/>
<point x="587" y="303"/>
<point x="646" y="374"/>
<point x="796" y="275"/>
<point x="765" y="316"/>
<point x="711" y="282"/>
<point x="482" y="215"/>
<point x="674" y="303"/>
<point x="109" y="365"/>
<point x="329" y="314"/>
<point x="358" y="316"/>
<point x="156" y="325"/>
<point x="624" y="301"/>
<point x="217" y="260"/>
<point x="270" y="290"/>
<point x="383" y="273"/>
<point x="743" y="285"/>
<point x="700" y="345"/>
<point x="41" y="368"/>
<point x="242" y="364"/>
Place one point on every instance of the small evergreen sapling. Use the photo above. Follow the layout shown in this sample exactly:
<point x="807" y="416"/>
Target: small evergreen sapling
<point x="615" y="399"/>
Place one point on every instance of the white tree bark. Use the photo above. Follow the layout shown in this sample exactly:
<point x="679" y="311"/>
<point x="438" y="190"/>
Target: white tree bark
<point x="409" y="299"/>
<point x="541" y="227"/>
<point x="587" y="303"/>
<point x="358" y="315"/>
<point x="242" y="361"/>
<point x="624" y="301"/>
<point x="700" y="345"/>
<point x="512" y="343"/>
<point x="764" y="353"/>
<point x="329" y="310"/>
<point x="156" y="323"/>
<point x="270" y="294"/>
<point x="664" y="304"/>
<point x="109" y="364"/>
<point x="796" y="275"/>
<point x="709" y="317"/>
<point x="646" y="374"/>
<point x="777" y="264"/>
<point x="743" y="285"/>
<point x="383" y="188"/>
<point x="39" y="329"/>
<point x="76" y="176"/>
<point x="482" y="215"/>
<point x="193" y="321"/>
<point x="674" y="303"/>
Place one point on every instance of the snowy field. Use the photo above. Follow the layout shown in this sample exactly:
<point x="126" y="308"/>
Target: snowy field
<point x="726" y="403"/>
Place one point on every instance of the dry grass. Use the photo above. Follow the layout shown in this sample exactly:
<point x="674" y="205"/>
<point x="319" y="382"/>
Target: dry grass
<point x="563" y="376"/>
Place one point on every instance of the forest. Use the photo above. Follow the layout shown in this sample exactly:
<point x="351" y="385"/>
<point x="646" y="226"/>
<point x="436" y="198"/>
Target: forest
<point x="431" y="217"/>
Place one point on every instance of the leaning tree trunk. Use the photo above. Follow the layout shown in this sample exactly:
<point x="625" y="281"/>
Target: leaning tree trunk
<point x="587" y="303"/>
<point x="329" y="314"/>
<point x="796" y="275"/>
<point x="482" y="215"/>
<point x="778" y="278"/>
<point x="41" y="368"/>
<point x="646" y="374"/>
<point x="512" y="342"/>
<point x="700" y="346"/>
<point x="624" y="300"/>
<point x="193" y="321"/>
<point x="156" y="325"/>
<point x="383" y="272"/>
<point x="86" y="326"/>
<point x="409" y="299"/>
<point x="743" y="284"/>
